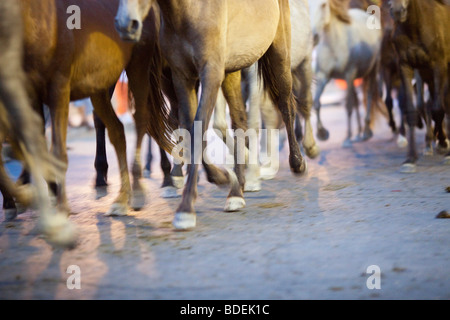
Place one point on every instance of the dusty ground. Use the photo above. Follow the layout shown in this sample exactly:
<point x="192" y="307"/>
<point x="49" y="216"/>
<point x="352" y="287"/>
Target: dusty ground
<point x="299" y="238"/>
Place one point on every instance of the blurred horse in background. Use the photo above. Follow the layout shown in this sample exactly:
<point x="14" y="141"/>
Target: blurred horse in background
<point x="422" y="42"/>
<point x="24" y="128"/>
<point x="346" y="49"/>
<point x="262" y="110"/>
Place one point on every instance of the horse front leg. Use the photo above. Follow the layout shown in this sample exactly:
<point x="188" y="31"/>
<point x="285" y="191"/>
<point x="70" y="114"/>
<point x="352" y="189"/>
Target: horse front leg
<point x="104" y="109"/>
<point x="322" y="133"/>
<point x="409" y="166"/>
<point x="59" y="109"/>
<point x="232" y="90"/>
<point x="351" y="103"/>
<point x="101" y="161"/>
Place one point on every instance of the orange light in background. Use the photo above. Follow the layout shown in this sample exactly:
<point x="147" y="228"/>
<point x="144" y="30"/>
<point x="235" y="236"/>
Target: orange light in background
<point x="342" y="84"/>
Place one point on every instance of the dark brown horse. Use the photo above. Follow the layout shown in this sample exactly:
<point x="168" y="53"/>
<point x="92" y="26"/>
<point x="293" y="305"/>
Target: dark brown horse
<point x="23" y="126"/>
<point x="64" y="64"/>
<point x="422" y="42"/>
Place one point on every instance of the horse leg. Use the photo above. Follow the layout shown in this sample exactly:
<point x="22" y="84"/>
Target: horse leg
<point x="270" y="139"/>
<point x="148" y="159"/>
<point x="350" y="105"/>
<point x="101" y="161"/>
<point x="59" y="109"/>
<point x="255" y="101"/>
<point x="116" y="133"/>
<point x="302" y="87"/>
<point x="276" y="69"/>
<point x="231" y="88"/>
<point x="322" y="81"/>
<point x="168" y="187"/>
<point x="211" y="79"/>
<point x="389" y="101"/>
<point x="409" y="166"/>
<point x="9" y="205"/>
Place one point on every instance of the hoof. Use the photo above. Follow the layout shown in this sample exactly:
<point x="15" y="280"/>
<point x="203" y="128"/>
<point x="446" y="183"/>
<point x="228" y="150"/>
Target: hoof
<point x="60" y="231"/>
<point x="323" y="134"/>
<point x="447" y="160"/>
<point x="178" y="182"/>
<point x="443" y="149"/>
<point x="252" y="186"/>
<point x="368" y="134"/>
<point x="402" y="142"/>
<point x="268" y="173"/>
<point x="137" y="201"/>
<point x="302" y="170"/>
<point x="10" y="214"/>
<point x="101" y="192"/>
<point x="169" y="193"/>
<point x="312" y="152"/>
<point x="347" y="144"/>
<point x="184" y="221"/>
<point x="234" y="204"/>
<point x="408" y="168"/>
<point x="428" y="151"/>
<point x="117" y="209"/>
<point x="146" y="174"/>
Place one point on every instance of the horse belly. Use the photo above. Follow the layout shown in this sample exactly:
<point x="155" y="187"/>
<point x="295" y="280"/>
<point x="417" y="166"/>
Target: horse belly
<point x="251" y="29"/>
<point x="99" y="67"/>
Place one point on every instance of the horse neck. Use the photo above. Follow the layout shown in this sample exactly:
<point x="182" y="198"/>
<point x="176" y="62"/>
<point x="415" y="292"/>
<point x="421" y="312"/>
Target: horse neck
<point x="172" y="11"/>
<point x="415" y="16"/>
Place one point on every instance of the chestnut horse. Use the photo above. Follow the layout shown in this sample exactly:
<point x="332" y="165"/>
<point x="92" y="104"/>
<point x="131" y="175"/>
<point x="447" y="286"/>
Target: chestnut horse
<point x="211" y="41"/>
<point x="64" y="64"/>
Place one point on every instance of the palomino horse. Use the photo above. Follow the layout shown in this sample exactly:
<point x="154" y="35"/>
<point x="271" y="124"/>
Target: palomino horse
<point x="261" y="108"/>
<point x="422" y="42"/>
<point x="211" y="40"/>
<point x="347" y="50"/>
<point x="65" y="64"/>
<point x="23" y="125"/>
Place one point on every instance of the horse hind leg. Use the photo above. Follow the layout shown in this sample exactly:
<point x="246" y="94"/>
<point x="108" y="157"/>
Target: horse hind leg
<point x="302" y="87"/>
<point x="276" y="70"/>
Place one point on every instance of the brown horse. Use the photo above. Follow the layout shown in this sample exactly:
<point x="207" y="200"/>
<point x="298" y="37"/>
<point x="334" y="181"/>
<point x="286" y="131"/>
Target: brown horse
<point x="211" y="41"/>
<point x="64" y="64"/>
<point x="422" y="42"/>
<point x="23" y="125"/>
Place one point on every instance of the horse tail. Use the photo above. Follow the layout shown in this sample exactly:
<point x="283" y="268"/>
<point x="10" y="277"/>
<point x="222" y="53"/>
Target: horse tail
<point x="371" y="87"/>
<point x="160" y="125"/>
<point x="267" y="75"/>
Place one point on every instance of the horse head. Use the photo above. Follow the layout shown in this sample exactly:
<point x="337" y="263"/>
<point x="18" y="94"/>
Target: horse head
<point x="320" y="14"/>
<point x="399" y="10"/>
<point x="130" y="17"/>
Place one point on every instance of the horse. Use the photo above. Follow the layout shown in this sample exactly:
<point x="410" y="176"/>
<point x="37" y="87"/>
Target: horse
<point x="22" y="125"/>
<point x="64" y="64"/>
<point x="346" y="49"/>
<point x="423" y="44"/>
<point x="211" y="41"/>
<point x="261" y="108"/>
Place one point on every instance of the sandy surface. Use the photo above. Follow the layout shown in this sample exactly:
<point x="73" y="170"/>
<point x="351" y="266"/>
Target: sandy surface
<point x="299" y="238"/>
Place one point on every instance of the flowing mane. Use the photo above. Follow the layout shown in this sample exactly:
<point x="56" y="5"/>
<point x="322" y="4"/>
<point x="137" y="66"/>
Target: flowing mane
<point x="339" y="8"/>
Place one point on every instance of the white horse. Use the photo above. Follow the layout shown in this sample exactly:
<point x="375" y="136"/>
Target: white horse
<point x="346" y="49"/>
<point x="262" y="108"/>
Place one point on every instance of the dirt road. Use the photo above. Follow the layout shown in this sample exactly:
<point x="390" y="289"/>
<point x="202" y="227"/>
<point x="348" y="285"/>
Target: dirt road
<point x="299" y="238"/>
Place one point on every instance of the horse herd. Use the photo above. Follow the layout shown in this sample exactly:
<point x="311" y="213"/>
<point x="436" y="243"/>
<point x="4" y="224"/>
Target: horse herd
<point x="198" y="55"/>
